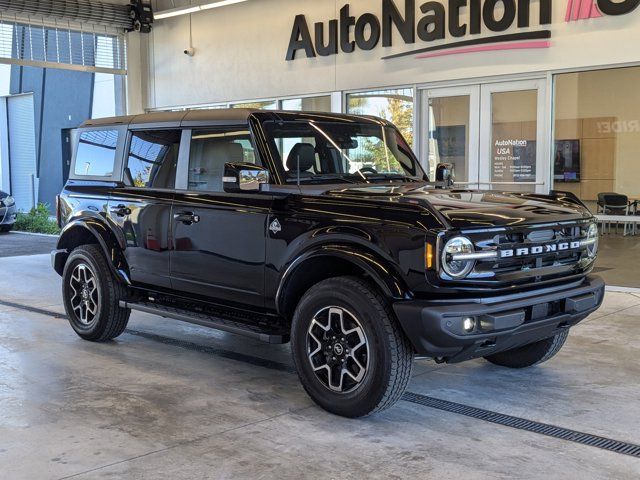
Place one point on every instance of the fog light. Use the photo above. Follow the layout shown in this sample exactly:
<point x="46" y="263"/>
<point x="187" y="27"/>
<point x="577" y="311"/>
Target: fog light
<point x="469" y="324"/>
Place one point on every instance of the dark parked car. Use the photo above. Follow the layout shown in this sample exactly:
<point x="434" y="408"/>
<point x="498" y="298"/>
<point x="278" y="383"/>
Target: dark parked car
<point x="324" y="230"/>
<point x="8" y="212"/>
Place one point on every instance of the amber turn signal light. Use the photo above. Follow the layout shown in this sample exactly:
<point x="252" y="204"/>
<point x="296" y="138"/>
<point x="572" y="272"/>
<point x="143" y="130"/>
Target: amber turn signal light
<point x="428" y="256"/>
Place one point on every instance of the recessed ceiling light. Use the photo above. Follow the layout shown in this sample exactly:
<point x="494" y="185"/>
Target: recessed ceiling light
<point x="174" y="12"/>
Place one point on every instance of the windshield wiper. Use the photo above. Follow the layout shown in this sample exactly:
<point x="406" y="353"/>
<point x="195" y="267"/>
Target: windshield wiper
<point x="390" y="176"/>
<point x="321" y="179"/>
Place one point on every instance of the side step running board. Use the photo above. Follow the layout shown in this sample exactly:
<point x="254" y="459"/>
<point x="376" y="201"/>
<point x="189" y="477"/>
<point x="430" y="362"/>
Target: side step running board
<point x="231" y="326"/>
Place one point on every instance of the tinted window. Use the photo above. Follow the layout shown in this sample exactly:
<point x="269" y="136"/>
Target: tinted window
<point x="96" y="153"/>
<point x="210" y="150"/>
<point x="153" y="159"/>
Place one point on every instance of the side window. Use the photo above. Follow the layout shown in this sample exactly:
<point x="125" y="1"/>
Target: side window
<point x="96" y="153"/>
<point x="153" y="159"/>
<point x="211" y="149"/>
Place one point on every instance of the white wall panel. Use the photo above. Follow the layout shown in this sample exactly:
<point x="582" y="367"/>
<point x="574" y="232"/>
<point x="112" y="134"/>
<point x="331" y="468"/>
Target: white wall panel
<point x="240" y="53"/>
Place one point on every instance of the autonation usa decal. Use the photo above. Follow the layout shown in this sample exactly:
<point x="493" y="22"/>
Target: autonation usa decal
<point x="434" y="21"/>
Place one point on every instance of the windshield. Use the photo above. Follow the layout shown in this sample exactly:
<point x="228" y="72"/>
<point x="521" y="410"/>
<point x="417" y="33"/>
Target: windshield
<point x="310" y="151"/>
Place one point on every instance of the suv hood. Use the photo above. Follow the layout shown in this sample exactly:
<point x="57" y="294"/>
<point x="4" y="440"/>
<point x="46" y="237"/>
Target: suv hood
<point x="474" y="208"/>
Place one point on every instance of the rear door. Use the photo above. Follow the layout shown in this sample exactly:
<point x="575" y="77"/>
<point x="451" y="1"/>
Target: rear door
<point x="219" y="238"/>
<point x="141" y="207"/>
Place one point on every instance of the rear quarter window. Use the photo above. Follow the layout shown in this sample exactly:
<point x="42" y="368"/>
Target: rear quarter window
<point x="96" y="153"/>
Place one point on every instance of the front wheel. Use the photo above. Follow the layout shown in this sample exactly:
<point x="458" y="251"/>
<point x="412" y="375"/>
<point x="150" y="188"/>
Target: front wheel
<point x="350" y="353"/>
<point x="92" y="295"/>
<point x="532" y="354"/>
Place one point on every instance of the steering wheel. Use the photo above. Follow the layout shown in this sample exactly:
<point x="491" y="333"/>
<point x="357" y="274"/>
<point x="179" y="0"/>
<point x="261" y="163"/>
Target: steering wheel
<point x="371" y="170"/>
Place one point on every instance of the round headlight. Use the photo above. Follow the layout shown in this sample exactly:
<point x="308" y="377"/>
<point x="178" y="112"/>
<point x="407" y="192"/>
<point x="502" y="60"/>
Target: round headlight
<point x="457" y="268"/>
<point x="592" y="240"/>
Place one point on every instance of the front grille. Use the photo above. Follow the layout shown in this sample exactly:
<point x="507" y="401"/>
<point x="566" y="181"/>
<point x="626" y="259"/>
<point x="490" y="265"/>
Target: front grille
<point x="534" y="264"/>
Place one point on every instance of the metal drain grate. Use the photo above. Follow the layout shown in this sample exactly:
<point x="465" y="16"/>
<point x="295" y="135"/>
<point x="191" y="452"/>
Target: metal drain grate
<point x="554" y="431"/>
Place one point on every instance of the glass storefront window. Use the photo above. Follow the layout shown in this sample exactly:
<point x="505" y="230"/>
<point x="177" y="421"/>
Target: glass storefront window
<point x="393" y="105"/>
<point x="597" y="133"/>
<point x="309" y="104"/>
<point x="266" y="105"/>
<point x="209" y="107"/>
<point x="596" y="149"/>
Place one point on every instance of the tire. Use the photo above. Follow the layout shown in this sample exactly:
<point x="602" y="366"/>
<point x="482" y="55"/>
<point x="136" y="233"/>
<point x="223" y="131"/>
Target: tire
<point x="532" y="354"/>
<point x="5" y="228"/>
<point x="95" y="315"/>
<point x="361" y="312"/>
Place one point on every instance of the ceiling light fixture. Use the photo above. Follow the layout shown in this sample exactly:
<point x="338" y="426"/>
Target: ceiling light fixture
<point x="174" y="12"/>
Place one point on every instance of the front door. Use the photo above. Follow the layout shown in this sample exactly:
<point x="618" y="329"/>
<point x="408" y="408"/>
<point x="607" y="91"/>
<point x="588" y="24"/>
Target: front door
<point x="496" y="134"/>
<point x="218" y="237"/>
<point x="142" y="206"/>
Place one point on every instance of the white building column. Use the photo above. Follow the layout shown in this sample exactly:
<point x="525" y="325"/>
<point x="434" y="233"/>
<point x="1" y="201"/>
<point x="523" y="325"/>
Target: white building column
<point x="137" y="73"/>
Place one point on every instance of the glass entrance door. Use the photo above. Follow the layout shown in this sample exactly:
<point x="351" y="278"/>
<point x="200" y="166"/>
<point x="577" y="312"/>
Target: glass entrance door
<point x="495" y="135"/>
<point x="514" y="151"/>
<point x="453" y="131"/>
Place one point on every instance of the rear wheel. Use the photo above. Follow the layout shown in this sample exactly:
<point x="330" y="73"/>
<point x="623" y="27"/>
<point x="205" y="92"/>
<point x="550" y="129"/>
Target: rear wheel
<point x="532" y="354"/>
<point x="350" y="354"/>
<point x="92" y="296"/>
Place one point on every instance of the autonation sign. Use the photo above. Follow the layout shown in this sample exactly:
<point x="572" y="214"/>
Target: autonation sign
<point x="439" y="21"/>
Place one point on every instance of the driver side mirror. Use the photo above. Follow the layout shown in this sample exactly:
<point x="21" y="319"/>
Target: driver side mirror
<point x="244" y="177"/>
<point x="445" y="174"/>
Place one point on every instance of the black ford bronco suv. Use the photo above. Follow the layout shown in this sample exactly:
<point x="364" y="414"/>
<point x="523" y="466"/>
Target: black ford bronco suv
<point x="319" y="229"/>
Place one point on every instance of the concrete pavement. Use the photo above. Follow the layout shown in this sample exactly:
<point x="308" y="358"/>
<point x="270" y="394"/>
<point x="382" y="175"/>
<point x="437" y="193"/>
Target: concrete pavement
<point x="16" y="244"/>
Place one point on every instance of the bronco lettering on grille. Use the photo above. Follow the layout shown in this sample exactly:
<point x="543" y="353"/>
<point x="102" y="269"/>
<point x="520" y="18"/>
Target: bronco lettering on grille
<point x="540" y="249"/>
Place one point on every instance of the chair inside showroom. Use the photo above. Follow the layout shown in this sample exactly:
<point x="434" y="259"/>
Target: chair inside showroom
<point x="611" y="203"/>
<point x="302" y="159"/>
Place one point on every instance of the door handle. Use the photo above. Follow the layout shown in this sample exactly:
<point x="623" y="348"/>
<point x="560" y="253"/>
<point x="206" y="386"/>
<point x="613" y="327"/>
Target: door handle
<point x="121" y="210"/>
<point x="187" y="218"/>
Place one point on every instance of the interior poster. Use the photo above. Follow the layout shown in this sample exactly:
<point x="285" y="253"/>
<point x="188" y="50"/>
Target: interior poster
<point x="514" y="160"/>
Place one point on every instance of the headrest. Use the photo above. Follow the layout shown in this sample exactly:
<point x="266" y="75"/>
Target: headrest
<point x="235" y="152"/>
<point x="304" y="153"/>
<point x="215" y="154"/>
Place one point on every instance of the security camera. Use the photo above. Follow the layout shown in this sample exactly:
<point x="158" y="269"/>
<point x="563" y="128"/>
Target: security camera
<point x="190" y="51"/>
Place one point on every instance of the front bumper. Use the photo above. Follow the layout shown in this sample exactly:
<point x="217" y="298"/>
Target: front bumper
<point x="8" y="215"/>
<point x="435" y="327"/>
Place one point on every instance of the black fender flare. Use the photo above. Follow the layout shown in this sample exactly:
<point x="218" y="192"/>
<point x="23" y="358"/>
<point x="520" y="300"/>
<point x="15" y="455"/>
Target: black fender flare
<point x="111" y="243"/>
<point x="380" y="272"/>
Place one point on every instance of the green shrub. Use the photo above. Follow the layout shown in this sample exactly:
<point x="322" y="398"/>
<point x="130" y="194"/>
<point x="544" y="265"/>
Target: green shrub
<point x="37" y="221"/>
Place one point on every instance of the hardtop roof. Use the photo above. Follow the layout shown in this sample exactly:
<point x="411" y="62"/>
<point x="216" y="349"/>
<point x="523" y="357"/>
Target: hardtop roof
<point x="218" y="115"/>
